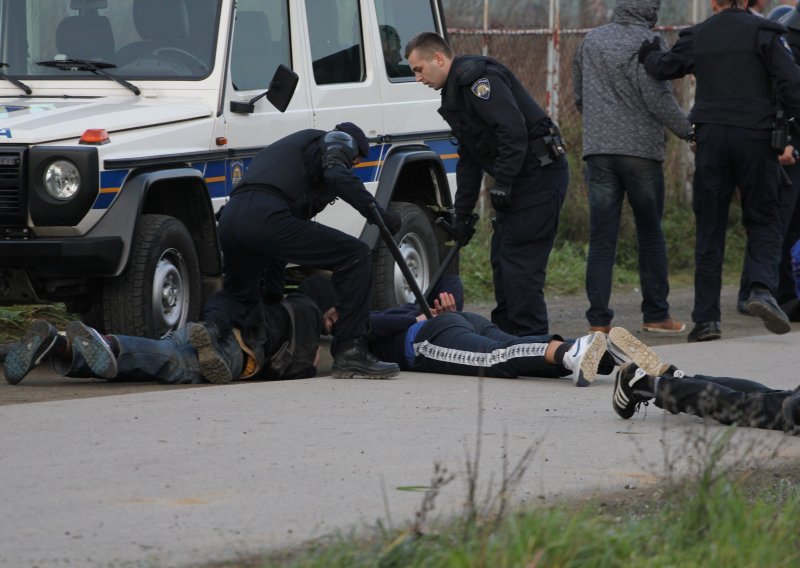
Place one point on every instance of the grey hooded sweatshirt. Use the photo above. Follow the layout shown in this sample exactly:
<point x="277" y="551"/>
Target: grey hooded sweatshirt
<point x="624" y="109"/>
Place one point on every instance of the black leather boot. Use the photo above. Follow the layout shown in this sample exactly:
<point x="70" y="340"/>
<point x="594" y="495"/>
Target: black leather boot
<point x="353" y="360"/>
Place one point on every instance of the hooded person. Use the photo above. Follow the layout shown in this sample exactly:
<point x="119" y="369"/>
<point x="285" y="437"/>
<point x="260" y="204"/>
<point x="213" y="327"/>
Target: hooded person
<point x="625" y="112"/>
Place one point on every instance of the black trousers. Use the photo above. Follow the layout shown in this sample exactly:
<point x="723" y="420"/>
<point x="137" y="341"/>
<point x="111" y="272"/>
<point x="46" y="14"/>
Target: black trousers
<point x="259" y="235"/>
<point x="727" y="400"/>
<point x="790" y="227"/>
<point x="729" y="157"/>
<point x="521" y="244"/>
<point x="464" y="343"/>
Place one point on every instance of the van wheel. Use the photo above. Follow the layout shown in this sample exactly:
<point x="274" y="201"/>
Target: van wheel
<point x="417" y="243"/>
<point x="160" y="290"/>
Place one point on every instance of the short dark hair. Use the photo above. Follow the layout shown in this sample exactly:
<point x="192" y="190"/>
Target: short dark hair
<point x="428" y="43"/>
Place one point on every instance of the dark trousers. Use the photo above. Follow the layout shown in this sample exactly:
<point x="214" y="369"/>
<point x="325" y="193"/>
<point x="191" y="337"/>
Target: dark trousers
<point x="464" y="343"/>
<point x="259" y="235"/>
<point x="729" y="157"/>
<point x="727" y="400"/>
<point x="521" y="244"/>
<point x="790" y="227"/>
<point x="609" y="179"/>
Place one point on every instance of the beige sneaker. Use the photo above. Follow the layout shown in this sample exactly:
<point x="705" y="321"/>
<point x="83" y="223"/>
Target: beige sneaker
<point x="625" y="348"/>
<point x="668" y="326"/>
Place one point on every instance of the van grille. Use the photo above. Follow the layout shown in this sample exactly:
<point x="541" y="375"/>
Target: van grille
<point x="12" y="206"/>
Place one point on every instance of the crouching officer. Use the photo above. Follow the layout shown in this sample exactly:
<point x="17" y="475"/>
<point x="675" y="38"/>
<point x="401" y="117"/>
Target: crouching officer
<point x="502" y="131"/>
<point x="267" y="224"/>
<point x="738" y="61"/>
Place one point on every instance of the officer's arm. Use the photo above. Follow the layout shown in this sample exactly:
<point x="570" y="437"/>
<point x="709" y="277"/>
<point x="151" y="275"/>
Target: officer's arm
<point x="577" y="78"/>
<point x="500" y="110"/>
<point x="676" y="62"/>
<point x="780" y="64"/>
<point x="660" y="101"/>
<point x="469" y="176"/>
<point x="345" y="184"/>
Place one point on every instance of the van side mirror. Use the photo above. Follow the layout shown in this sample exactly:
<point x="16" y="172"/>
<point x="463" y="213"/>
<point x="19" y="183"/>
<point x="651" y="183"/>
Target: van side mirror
<point x="280" y="92"/>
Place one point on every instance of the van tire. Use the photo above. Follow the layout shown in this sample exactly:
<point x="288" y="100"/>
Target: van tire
<point x="160" y="289"/>
<point x="418" y="243"/>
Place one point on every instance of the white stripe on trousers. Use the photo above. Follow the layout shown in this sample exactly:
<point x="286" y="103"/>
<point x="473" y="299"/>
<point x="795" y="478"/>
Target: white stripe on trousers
<point x="479" y="359"/>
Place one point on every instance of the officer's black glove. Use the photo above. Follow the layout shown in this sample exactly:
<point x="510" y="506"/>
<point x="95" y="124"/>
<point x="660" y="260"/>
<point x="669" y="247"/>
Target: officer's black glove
<point x="648" y="47"/>
<point x="501" y="197"/>
<point x="393" y="221"/>
<point x="464" y="230"/>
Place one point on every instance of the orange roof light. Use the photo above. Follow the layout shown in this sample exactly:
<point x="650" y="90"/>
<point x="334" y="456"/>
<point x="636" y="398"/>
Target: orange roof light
<point x="95" y="136"/>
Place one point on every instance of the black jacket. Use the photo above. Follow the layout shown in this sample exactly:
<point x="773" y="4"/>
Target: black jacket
<point x="494" y="118"/>
<point x="293" y="166"/>
<point x="736" y="59"/>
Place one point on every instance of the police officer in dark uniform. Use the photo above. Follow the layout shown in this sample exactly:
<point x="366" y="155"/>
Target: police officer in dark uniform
<point x="267" y="224"/>
<point x="502" y="131"/>
<point x="736" y="59"/>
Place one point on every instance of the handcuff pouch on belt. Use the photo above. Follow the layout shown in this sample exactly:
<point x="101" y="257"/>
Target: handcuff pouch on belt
<point x="549" y="147"/>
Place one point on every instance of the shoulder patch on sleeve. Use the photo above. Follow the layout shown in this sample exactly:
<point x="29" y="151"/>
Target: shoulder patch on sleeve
<point x="481" y="89"/>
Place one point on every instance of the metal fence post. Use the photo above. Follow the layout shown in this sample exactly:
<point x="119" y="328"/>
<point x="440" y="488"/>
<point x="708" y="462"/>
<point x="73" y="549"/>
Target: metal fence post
<point x="553" y="60"/>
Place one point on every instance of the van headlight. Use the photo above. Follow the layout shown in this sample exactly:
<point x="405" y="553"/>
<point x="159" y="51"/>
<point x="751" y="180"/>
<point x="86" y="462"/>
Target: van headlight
<point x="62" y="180"/>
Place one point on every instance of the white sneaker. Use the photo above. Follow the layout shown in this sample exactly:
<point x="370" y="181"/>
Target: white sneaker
<point x="584" y="357"/>
<point x="625" y="348"/>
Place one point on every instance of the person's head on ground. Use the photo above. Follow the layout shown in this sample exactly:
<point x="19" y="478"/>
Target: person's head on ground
<point x="430" y="58"/>
<point x="320" y="289"/>
<point x="641" y="12"/>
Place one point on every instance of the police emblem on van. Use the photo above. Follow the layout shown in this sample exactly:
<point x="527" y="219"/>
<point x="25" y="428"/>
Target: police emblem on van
<point x="482" y="89"/>
<point x="237" y="171"/>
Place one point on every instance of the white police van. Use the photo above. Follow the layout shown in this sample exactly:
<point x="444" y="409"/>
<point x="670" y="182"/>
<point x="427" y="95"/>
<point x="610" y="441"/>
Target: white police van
<point x="125" y="124"/>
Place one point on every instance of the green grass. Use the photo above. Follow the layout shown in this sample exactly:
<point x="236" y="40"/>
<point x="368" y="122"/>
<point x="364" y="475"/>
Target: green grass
<point x="14" y="320"/>
<point x="566" y="271"/>
<point x="722" y="524"/>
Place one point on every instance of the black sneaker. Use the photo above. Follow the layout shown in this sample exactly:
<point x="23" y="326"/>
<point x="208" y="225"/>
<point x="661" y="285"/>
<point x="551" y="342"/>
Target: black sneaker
<point x="584" y="357"/>
<point x="35" y="347"/>
<point x="763" y="305"/>
<point x="353" y="360"/>
<point x="625" y="348"/>
<point x="214" y="366"/>
<point x="673" y="372"/>
<point x="631" y="388"/>
<point x="95" y="349"/>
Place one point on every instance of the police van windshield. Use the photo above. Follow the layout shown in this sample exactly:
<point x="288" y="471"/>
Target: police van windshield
<point x="142" y="39"/>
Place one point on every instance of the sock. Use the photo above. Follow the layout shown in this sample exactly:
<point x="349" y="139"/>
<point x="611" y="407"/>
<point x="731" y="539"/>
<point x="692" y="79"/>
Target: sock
<point x="561" y="350"/>
<point x="62" y="346"/>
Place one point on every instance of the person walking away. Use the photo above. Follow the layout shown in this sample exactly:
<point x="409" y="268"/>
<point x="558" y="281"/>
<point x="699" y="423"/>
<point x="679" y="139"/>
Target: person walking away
<point x="734" y="58"/>
<point x="624" y="146"/>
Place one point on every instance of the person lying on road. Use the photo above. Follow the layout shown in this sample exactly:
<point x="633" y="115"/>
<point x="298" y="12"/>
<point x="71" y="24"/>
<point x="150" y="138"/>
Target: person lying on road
<point x="728" y="400"/>
<point x="287" y="348"/>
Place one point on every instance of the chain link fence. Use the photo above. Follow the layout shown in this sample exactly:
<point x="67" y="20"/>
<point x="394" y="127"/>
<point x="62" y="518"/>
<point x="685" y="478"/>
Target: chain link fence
<point x="542" y="59"/>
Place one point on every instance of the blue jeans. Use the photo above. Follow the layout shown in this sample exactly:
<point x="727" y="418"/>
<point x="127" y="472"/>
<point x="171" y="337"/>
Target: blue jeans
<point x="170" y="360"/>
<point x="609" y="178"/>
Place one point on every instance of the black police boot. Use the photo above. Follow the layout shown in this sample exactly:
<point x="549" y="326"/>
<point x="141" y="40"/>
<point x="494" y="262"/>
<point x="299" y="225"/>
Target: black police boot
<point x="705" y="331"/>
<point x="763" y="305"/>
<point x="353" y="360"/>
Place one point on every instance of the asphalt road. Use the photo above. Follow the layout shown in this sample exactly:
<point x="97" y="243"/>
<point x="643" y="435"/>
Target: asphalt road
<point x="177" y="477"/>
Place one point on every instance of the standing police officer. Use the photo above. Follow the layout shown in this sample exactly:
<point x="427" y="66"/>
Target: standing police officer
<point x="737" y="60"/>
<point x="267" y="224"/>
<point x="502" y="131"/>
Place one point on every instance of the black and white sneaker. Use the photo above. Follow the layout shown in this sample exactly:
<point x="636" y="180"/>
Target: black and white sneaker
<point x="625" y="348"/>
<point x="94" y="348"/>
<point x="214" y="366"/>
<point x="632" y="387"/>
<point x="35" y="347"/>
<point x="584" y="357"/>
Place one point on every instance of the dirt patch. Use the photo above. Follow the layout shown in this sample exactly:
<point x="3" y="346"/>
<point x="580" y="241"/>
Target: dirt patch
<point x="566" y="316"/>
